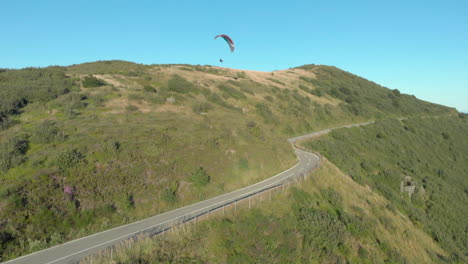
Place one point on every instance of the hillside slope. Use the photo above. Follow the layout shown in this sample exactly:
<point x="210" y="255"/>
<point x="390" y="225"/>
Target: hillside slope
<point x="114" y="141"/>
<point x="356" y="214"/>
<point x="419" y="165"/>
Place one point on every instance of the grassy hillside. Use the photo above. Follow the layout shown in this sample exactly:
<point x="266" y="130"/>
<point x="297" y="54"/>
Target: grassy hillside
<point x="112" y="142"/>
<point x="19" y="88"/>
<point x="328" y="219"/>
<point x="355" y="214"/>
<point x="432" y="151"/>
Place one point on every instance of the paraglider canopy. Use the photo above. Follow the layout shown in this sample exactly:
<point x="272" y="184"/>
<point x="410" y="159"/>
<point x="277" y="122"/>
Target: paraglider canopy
<point x="228" y="40"/>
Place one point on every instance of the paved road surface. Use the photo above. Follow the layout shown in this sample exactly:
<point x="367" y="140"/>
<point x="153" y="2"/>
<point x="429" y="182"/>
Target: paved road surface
<point x="75" y="250"/>
<point x="325" y="131"/>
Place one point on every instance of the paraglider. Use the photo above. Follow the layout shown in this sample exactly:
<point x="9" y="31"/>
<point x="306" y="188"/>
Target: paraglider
<point x="228" y="40"/>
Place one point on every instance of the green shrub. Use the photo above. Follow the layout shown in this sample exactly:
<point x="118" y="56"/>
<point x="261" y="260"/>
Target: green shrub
<point x="70" y="113"/>
<point x="201" y="107"/>
<point x="6" y="122"/>
<point x="72" y="100"/>
<point x="149" y="89"/>
<point x="251" y="124"/>
<point x="5" y="239"/>
<point x="98" y="99"/>
<point x="387" y="223"/>
<point x="111" y="145"/>
<point x="357" y="226"/>
<point x="200" y="177"/>
<point x="255" y="130"/>
<point x="69" y="158"/>
<point x="48" y="132"/>
<point x="169" y="194"/>
<point x="127" y="201"/>
<point x="445" y="135"/>
<point x="363" y="253"/>
<point x="12" y="151"/>
<point x="91" y="81"/>
<point x="241" y="75"/>
<point x="317" y="92"/>
<point x="333" y="197"/>
<point x="179" y="84"/>
<point x="131" y="108"/>
<point x="321" y="231"/>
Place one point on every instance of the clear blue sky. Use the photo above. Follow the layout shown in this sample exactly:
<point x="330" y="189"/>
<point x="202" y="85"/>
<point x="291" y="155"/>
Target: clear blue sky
<point x="418" y="47"/>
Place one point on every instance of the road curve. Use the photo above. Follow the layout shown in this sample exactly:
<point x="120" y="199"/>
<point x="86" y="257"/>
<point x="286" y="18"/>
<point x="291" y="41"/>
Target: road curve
<point x="75" y="250"/>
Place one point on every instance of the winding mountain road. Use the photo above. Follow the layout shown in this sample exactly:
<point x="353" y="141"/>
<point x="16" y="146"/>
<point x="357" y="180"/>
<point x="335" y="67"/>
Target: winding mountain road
<point x="75" y="250"/>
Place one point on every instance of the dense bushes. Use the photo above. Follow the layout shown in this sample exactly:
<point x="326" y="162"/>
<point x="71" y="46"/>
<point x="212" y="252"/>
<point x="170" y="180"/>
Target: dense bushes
<point x="362" y="97"/>
<point x="6" y="122"/>
<point x="200" y="177"/>
<point x="12" y="151"/>
<point x="20" y="87"/>
<point x="149" y="89"/>
<point x="69" y="158"/>
<point x="91" y="81"/>
<point x="322" y="231"/>
<point x="169" y="194"/>
<point x="48" y="131"/>
<point x="430" y="150"/>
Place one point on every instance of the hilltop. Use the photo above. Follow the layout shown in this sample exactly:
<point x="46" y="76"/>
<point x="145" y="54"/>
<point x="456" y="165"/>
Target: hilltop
<point x="114" y="141"/>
